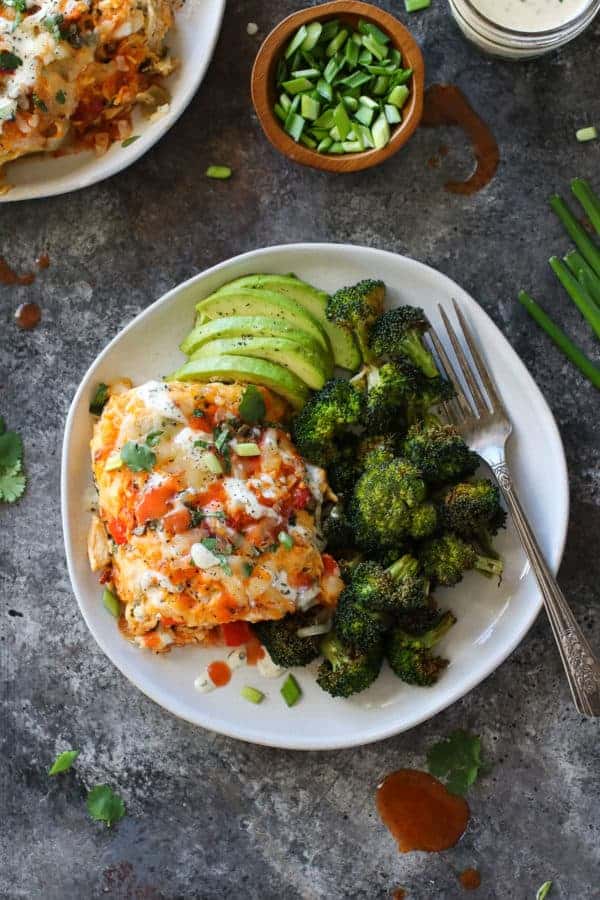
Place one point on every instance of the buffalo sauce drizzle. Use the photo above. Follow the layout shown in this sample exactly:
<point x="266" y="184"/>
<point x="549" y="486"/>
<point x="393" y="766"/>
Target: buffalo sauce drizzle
<point x="470" y="879"/>
<point x="28" y="315"/>
<point x="445" y="104"/>
<point x="419" y="812"/>
<point x="219" y="673"/>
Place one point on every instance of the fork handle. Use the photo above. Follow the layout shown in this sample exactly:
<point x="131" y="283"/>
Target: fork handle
<point x="581" y="666"/>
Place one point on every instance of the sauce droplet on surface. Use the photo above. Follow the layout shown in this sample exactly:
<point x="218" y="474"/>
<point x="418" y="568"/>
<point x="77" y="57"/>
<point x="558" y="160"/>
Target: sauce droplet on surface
<point x="9" y="276"/>
<point x="399" y="894"/>
<point x="28" y="315"/>
<point x="219" y="673"/>
<point x="419" y="812"/>
<point x="43" y="261"/>
<point x="445" y="104"/>
<point x="470" y="879"/>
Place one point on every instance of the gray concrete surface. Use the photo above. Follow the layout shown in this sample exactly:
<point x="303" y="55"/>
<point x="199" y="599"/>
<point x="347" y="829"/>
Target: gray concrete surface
<point x="209" y="817"/>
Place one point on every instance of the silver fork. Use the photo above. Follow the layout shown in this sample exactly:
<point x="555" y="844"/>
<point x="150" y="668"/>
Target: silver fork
<point x="484" y="423"/>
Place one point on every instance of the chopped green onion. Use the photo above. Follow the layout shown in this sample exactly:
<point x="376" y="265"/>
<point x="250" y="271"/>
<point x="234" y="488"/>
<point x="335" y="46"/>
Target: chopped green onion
<point x="398" y="96"/>
<point x="130" y="140"/>
<point x="577" y="293"/>
<point x="342" y="122"/>
<point x="306" y="73"/>
<point x="253" y="695"/>
<point x="285" y="540"/>
<point x="371" y="44"/>
<point x="290" y="690"/>
<point x="351" y="103"/>
<point x="584" y="244"/>
<point x="280" y="113"/>
<point x="309" y="108"/>
<point x="584" y="273"/>
<point x="368" y="101"/>
<point x="364" y="115"/>
<point x="111" y="603"/>
<point x="586" y="134"/>
<point x="285" y="102"/>
<point x="336" y="43"/>
<point x="249" y="449"/>
<point x="313" y="33"/>
<point x="416" y="5"/>
<point x="324" y="145"/>
<point x="100" y="398"/>
<point x="380" y="132"/>
<point x="392" y="114"/>
<point x="219" y="172"/>
<point x="297" y="41"/>
<point x="562" y="341"/>
<point x="297" y="85"/>
<point x="325" y="90"/>
<point x="588" y="199"/>
<point x="307" y="141"/>
<point x="210" y="462"/>
<point x="294" y="125"/>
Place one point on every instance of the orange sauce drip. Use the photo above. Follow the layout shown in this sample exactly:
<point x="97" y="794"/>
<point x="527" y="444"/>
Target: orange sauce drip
<point x="445" y="104"/>
<point x="420" y="813"/>
<point x="43" y="261"/>
<point x="9" y="276"/>
<point x="219" y="673"/>
<point x="28" y="315"/>
<point x="470" y="879"/>
<point x="399" y="894"/>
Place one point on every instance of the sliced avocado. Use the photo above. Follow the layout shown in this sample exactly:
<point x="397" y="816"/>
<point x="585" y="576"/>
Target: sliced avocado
<point x="251" y="302"/>
<point x="246" y="369"/>
<point x="246" y="326"/>
<point x="313" y="368"/>
<point x="345" y="349"/>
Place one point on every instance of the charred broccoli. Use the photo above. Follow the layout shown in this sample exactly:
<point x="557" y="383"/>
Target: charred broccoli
<point x="364" y="608"/>
<point x="346" y="671"/>
<point x="410" y="655"/>
<point x="336" y="406"/>
<point x="280" y="637"/>
<point x="356" y="308"/>
<point x="343" y="472"/>
<point x="428" y="394"/>
<point x="389" y="389"/>
<point x="337" y="531"/>
<point x="398" y="333"/>
<point x="439" y="453"/>
<point x="445" y="559"/>
<point x="385" y="503"/>
<point x="473" y="510"/>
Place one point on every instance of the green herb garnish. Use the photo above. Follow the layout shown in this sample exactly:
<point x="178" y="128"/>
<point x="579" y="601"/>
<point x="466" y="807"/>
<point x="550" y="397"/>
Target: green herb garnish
<point x="153" y="438"/>
<point x="252" y="405"/>
<point x="543" y="890"/>
<point x="9" y="61"/>
<point x="247" y="569"/>
<point x="221" y="173"/>
<point x="111" y="602"/>
<point x="37" y="101"/>
<point x="253" y="695"/>
<point x="12" y="479"/>
<point x="99" y="400"/>
<point x="198" y="414"/>
<point x="130" y="140"/>
<point x="54" y="24"/>
<point x="63" y="762"/>
<point x="138" y="457"/>
<point x="221" y="553"/>
<point x="458" y="759"/>
<point x="60" y="97"/>
<point x="104" y="805"/>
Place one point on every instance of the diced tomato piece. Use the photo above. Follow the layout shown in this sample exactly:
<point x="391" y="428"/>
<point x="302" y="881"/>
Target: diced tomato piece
<point x="213" y="494"/>
<point x="155" y="502"/>
<point x="301" y="579"/>
<point x="250" y="465"/>
<point x="236" y="633"/>
<point x="118" y="531"/>
<point x="330" y="566"/>
<point x="254" y="651"/>
<point x="178" y="521"/>
<point x="301" y="497"/>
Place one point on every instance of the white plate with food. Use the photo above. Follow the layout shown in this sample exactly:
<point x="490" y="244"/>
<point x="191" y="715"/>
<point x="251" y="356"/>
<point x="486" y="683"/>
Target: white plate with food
<point x="178" y="557"/>
<point x="86" y="89"/>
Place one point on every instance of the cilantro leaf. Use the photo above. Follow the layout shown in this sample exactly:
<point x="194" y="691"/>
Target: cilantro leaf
<point x="252" y="406"/>
<point x="99" y="399"/>
<point x="63" y="762"/>
<point x="153" y="438"/>
<point x="104" y="805"/>
<point x="458" y="759"/>
<point x="543" y="890"/>
<point x="9" y="61"/>
<point x="213" y="545"/>
<point x="11" y="449"/>
<point x="138" y="457"/>
<point x="12" y="483"/>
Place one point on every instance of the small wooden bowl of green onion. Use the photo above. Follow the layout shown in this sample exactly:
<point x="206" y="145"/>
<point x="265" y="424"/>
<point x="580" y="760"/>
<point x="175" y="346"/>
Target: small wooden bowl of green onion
<point x="339" y="86"/>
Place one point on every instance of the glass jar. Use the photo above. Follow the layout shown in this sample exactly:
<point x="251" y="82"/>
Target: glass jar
<point x="519" y="42"/>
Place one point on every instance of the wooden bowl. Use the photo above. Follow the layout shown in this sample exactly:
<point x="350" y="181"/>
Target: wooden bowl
<point x="264" y="89"/>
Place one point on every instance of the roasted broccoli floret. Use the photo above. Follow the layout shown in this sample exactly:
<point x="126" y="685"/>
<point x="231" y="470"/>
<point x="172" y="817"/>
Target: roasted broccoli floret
<point x="473" y="510"/>
<point x="336" y="406"/>
<point x="356" y="308"/>
<point x="337" y="531"/>
<point x="423" y="522"/>
<point x="280" y="637"/>
<point x="343" y="471"/>
<point x="366" y="606"/>
<point x="370" y="451"/>
<point x="410" y="655"/>
<point x="445" y="559"/>
<point x="439" y="453"/>
<point x="382" y="507"/>
<point x="428" y="394"/>
<point x="389" y="389"/>
<point x="357" y="623"/>
<point x="398" y="333"/>
<point x="346" y="671"/>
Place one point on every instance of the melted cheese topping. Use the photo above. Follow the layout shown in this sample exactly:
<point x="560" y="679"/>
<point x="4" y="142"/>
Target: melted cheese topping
<point x="192" y="545"/>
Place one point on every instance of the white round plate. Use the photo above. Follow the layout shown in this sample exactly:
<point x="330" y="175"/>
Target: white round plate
<point x="192" y="41"/>
<point x="492" y="618"/>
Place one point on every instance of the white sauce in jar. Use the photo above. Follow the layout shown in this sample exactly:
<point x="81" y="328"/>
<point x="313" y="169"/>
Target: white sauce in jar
<point x="530" y="15"/>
